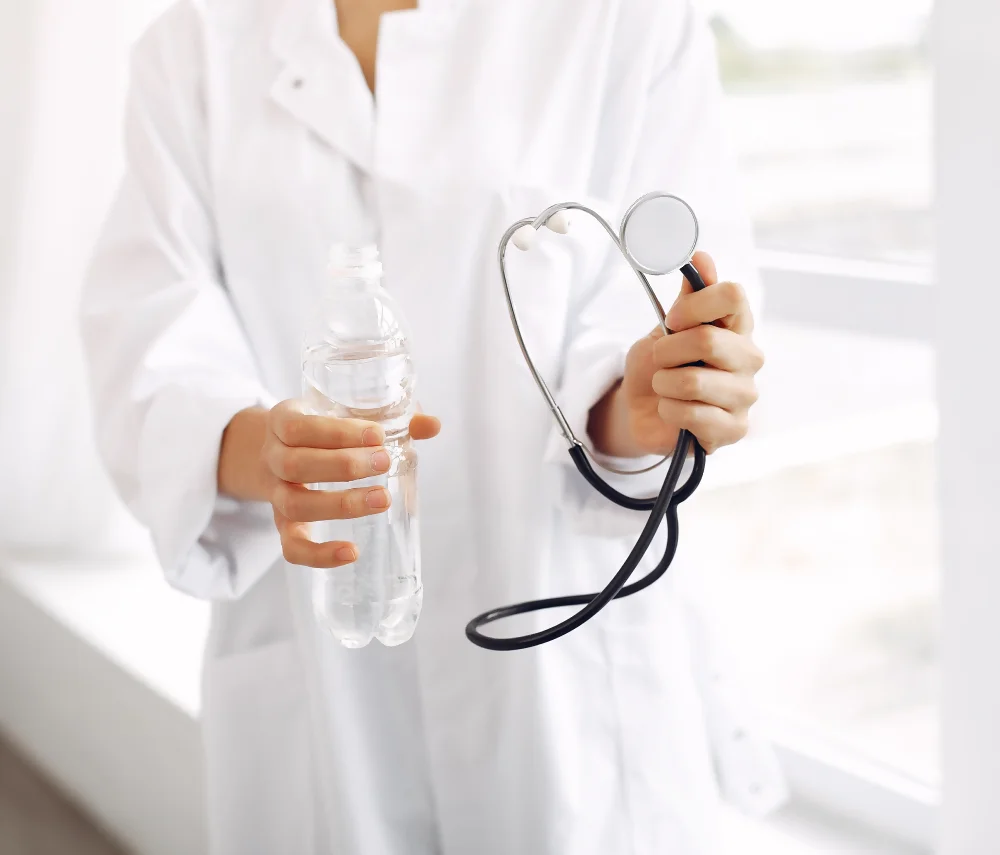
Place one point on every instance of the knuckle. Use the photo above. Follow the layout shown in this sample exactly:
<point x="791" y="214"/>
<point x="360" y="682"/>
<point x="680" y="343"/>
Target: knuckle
<point x="296" y="505"/>
<point x="357" y="467"/>
<point x="694" y="419"/>
<point x="661" y="382"/>
<point x="295" y="552"/>
<point x="279" y="524"/>
<point x="287" y="501"/>
<point x="741" y="426"/>
<point x="275" y="415"/>
<point x="733" y="293"/>
<point x="335" y="435"/>
<point x="706" y="340"/>
<point x="278" y="423"/>
<point x="269" y="453"/>
<point x="662" y="350"/>
<point x="356" y="502"/>
<point x="279" y="499"/>
<point x="291" y="431"/>
<point x="277" y="419"/>
<point x="689" y="385"/>
<point x="676" y="318"/>
<point x="279" y="461"/>
<point x="345" y="504"/>
<point x="295" y="466"/>
<point x="678" y="414"/>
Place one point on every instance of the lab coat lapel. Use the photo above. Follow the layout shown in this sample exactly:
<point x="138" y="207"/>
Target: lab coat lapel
<point x="421" y="93"/>
<point x="320" y="82"/>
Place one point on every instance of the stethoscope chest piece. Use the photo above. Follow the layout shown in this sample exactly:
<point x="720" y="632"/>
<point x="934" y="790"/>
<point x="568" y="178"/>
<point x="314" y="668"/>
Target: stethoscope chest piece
<point x="658" y="235"/>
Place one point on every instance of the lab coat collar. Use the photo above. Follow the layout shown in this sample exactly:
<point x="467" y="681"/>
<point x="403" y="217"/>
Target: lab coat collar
<point x="321" y="83"/>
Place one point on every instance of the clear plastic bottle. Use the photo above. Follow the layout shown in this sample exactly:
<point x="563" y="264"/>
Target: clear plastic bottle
<point x="356" y="363"/>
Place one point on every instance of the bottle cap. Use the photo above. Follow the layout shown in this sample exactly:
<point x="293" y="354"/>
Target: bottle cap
<point x="348" y="260"/>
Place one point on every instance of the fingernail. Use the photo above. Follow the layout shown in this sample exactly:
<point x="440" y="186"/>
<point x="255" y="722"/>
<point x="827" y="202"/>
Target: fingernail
<point x="377" y="498"/>
<point x="345" y="553"/>
<point x="380" y="461"/>
<point x="371" y="436"/>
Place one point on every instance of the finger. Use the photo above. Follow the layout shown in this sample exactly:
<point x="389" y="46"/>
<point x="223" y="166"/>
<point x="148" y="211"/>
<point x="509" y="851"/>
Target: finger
<point x="296" y="428"/>
<point x="707" y="385"/>
<point x="297" y="548"/>
<point x="724" y="304"/>
<point x="304" y="465"/>
<point x="301" y="504"/>
<point x="711" y="426"/>
<point x="714" y="346"/>
<point x="301" y="550"/>
<point x="423" y="426"/>
<point x="655" y="333"/>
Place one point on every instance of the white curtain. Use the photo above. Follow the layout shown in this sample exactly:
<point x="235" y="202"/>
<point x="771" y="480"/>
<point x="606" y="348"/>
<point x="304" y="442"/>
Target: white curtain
<point x="62" y="84"/>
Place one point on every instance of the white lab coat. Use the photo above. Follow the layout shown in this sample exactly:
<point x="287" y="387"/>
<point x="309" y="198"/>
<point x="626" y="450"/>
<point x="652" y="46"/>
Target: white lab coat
<point x="253" y="144"/>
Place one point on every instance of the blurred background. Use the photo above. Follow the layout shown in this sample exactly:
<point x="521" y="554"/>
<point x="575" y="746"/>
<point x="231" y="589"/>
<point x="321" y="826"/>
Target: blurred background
<point x="833" y="577"/>
<point x="827" y="586"/>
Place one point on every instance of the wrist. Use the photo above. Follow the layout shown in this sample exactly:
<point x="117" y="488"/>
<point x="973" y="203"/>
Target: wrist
<point x="609" y="426"/>
<point x="241" y="470"/>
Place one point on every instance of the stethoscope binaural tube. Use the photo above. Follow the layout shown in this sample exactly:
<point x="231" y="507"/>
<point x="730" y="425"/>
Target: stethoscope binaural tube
<point x="660" y="507"/>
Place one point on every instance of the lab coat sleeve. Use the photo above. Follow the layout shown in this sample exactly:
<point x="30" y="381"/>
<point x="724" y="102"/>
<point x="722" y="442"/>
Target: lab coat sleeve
<point x="169" y="364"/>
<point x="681" y="147"/>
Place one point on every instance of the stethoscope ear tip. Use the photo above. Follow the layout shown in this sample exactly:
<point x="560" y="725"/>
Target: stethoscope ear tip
<point x="525" y="237"/>
<point x="560" y="222"/>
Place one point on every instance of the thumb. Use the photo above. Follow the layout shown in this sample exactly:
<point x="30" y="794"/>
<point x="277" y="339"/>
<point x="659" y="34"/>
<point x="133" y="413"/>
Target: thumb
<point x="423" y="426"/>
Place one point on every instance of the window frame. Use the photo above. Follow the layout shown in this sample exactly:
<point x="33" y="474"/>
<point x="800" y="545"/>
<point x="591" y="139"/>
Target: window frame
<point x="846" y="785"/>
<point x="899" y="302"/>
<point x="822" y="291"/>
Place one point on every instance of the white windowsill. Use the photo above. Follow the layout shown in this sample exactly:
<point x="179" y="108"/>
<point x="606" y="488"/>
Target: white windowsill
<point x="99" y="662"/>
<point x="126" y="611"/>
<point x="99" y="686"/>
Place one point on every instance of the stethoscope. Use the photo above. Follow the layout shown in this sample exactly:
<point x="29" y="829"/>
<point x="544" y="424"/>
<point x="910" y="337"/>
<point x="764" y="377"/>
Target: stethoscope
<point x="658" y="235"/>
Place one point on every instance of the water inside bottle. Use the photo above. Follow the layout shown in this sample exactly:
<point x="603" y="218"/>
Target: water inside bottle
<point x="380" y="595"/>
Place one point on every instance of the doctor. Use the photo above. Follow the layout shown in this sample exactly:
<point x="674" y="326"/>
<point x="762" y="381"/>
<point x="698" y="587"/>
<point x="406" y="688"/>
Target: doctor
<point x="260" y="132"/>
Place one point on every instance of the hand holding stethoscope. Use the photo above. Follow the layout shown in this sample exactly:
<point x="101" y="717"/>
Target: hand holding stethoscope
<point x="687" y="388"/>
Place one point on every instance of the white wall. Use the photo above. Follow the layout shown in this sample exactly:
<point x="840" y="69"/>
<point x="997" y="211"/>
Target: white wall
<point x="968" y="312"/>
<point x="62" y="80"/>
<point x="17" y="42"/>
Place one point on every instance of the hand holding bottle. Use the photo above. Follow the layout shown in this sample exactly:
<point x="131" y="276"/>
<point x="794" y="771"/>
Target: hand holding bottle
<point x="301" y="448"/>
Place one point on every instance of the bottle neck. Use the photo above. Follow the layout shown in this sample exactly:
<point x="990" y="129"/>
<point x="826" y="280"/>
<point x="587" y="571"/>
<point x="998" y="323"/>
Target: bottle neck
<point x="353" y="285"/>
<point x="398" y="437"/>
<point x="354" y="281"/>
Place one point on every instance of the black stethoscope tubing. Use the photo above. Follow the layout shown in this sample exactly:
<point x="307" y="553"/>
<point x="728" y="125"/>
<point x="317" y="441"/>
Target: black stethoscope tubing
<point x="660" y="507"/>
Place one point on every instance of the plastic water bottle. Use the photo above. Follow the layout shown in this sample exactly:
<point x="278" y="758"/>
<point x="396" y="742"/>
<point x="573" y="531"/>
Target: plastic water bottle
<point x="356" y="364"/>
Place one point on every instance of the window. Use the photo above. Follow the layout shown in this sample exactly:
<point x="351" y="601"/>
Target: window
<point x="825" y="585"/>
<point x="830" y="108"/>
